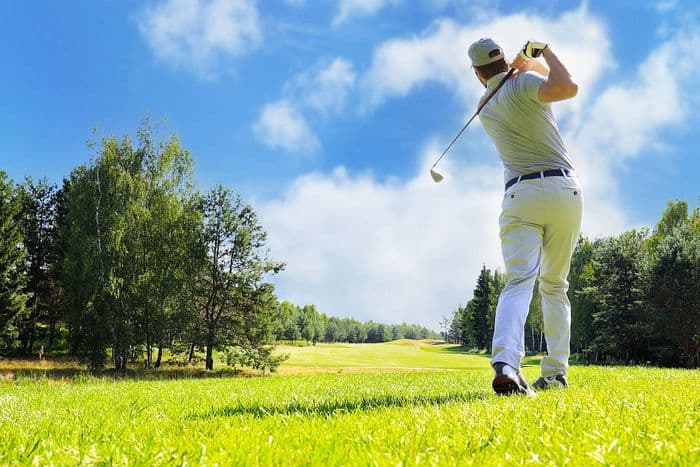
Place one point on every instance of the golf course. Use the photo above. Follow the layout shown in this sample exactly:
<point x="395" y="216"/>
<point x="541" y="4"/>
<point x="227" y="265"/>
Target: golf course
<point x="397" y="403"/>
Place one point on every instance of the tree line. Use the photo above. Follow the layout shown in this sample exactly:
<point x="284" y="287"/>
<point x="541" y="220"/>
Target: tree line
<point x="296" y="323"/>
<point x="128" y="259"/>
<point x="635" y="298"/>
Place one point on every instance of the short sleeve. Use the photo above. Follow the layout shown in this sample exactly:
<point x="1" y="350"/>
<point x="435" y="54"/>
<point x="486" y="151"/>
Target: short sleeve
<point x="529" y="84"/>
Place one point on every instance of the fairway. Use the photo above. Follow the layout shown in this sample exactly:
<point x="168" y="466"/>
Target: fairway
<point x="443" y="416"/>
<point x="402" y="354"/>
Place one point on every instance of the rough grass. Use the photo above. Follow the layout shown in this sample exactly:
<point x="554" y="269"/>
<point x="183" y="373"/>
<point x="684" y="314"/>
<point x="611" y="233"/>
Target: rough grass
<point x="609" y="415"/>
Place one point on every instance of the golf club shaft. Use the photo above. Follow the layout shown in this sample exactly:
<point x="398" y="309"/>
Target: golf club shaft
<point x="481" y="106"/>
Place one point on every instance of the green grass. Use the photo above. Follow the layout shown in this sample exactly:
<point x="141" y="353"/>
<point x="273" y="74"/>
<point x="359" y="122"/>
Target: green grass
<point x="403" y="354"/>
<point x="609" y="415"/>
<point x="398" y="355"/>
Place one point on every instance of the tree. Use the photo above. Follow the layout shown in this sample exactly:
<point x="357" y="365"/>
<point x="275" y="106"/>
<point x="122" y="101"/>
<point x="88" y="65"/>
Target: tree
<point x="622" y="330"/>
<point x="37" y="220"/>
<point x="673" y="293"/>
<point x="466" y="325"/>
<point x="128" y="241"/>
<point x="675" y="214"/>
<point x="479" y="309"/>
<point x="234" y="268"/>
<point x="445" y="324"/>
<point x="455" y="330"/>
<point x="581" y="278"/>
<point x="498" y="281"/>
<point x="12" y="257"/>
<point x="333" y="333"/>
<point x="311" y="324"/>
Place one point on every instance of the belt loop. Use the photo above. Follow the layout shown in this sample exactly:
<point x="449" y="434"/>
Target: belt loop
<point x="564" y="173"/>
<point x="519" y="177"/>
<point x="541" y="174"/>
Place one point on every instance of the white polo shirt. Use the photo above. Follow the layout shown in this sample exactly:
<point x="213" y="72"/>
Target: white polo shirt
<point x="523" y="128"/>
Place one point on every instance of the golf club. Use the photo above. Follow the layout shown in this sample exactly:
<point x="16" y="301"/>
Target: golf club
<point x="437" y="177"/>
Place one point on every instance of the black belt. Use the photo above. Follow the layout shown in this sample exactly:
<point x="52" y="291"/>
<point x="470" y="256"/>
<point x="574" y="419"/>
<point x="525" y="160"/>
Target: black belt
<point x="545" y="173"/>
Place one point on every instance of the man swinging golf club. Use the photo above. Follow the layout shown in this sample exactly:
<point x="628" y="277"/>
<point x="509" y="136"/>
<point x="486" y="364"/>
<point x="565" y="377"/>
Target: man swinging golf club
<point x="541" y="210"/>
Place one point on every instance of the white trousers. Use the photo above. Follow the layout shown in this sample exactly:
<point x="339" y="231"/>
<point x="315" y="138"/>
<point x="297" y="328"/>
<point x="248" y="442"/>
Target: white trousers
<point x="540" y="225"/>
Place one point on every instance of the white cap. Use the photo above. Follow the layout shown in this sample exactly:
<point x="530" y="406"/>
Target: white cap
<point x="485" y="51"/>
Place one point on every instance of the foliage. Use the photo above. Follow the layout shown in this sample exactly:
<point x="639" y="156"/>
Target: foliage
<point x="581" y="278"/>
<point x="37" y="221"/>
<point x="620" y="318"/>
<point x="674" y="296"/>
<point x="479" y="307"/>
<point x="294" y="323"/>
<point x="12" y="263"/>
<point x="472" y="325"/>
<point x="259" y="358"/>
<point x="230" y="287"/>
<point x="125" y="250"/>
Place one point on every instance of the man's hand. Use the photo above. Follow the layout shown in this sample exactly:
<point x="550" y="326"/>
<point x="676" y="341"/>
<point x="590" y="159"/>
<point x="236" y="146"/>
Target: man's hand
<point x="532" y="49"/>
<point x="524" y="65"/>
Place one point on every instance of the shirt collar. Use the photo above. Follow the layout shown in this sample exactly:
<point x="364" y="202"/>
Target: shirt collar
<point x="494" y="80"/>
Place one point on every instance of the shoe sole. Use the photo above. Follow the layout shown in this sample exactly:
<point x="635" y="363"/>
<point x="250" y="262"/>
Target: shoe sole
<point x="505" y="386"/>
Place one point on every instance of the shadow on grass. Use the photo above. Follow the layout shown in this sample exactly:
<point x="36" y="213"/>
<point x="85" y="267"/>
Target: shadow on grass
<point x="462" y="349"/>
<point x="329" y="408"/>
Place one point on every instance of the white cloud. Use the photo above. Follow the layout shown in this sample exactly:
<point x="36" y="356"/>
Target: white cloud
<point x="356" y="8"/>
<point x="281" y="126"/>
<point x="323" y="89"/>
<point x="390" y="251"/>
<point x="200" y="34"/>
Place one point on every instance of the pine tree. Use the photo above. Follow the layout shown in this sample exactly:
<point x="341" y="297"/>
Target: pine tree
<point x="620" y="321"/>
<point x="672" y="288"/>
<point x="38" y="225"/>
<point x="498" y="281"/>
<point x="12" y="266"/>
<point x="479" y="309"/>
<point x="233" y="271"/>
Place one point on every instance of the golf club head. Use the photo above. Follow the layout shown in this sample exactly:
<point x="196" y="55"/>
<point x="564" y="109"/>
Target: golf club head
<point x="437" y="178"/>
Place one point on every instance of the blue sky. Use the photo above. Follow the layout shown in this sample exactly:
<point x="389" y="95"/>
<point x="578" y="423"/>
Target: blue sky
<point x="326" y="115"/>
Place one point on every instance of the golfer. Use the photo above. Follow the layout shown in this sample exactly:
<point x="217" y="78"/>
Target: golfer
<point x="542" y="206"/>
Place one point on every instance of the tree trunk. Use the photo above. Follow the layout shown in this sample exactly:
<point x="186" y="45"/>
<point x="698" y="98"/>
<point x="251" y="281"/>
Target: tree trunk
<point x="149" y="353"/>
<point x="160" y="355"/>
<point x="125" y="359"/>
<point x="74" y="340"/>
<point x="116" y="357"/>
<point x="191" y="353"/>
<point x="32" y="337"/>
<point x="210" y="360"/>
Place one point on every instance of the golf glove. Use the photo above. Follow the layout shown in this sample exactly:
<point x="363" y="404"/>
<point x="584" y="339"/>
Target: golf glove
<point x="532" y="49"/>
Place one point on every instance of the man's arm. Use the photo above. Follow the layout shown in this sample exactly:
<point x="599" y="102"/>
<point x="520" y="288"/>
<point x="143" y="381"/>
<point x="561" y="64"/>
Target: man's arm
<point x="559" y="84"/>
